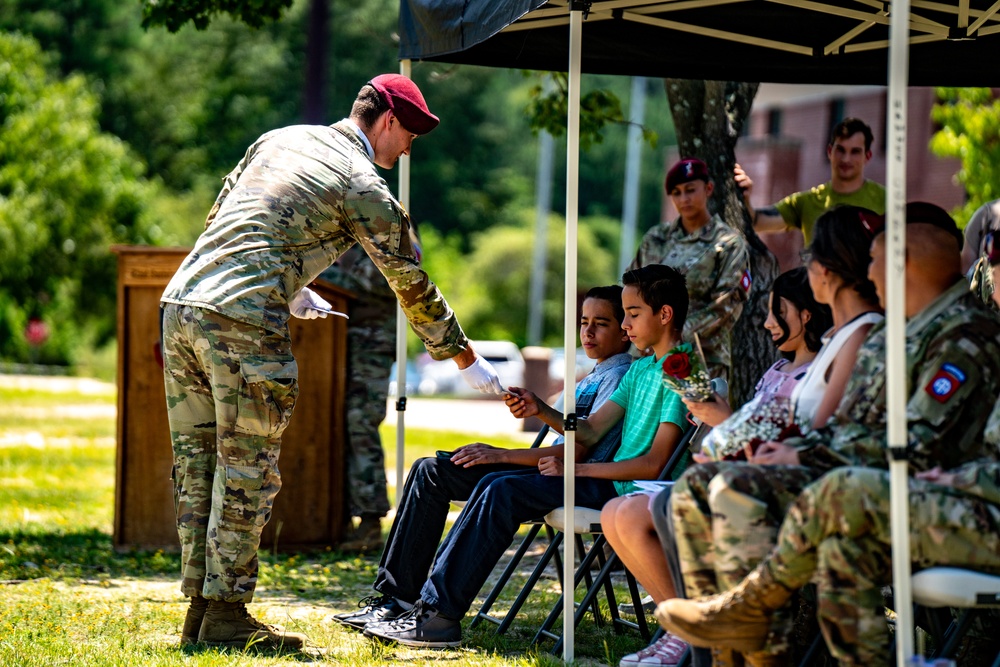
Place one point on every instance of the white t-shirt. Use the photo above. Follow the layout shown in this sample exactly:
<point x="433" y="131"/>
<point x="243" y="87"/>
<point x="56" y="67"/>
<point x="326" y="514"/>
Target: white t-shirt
<point x="808" y="393"/>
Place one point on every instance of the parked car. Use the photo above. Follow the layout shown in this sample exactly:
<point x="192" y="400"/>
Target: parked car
<point x="412" y="379"/>
<point x="557" y="365"/>
<point x="443" y="377"/>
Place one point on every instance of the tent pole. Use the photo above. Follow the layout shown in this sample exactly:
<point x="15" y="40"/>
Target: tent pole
<point x="570" y="327"/>
<point x="401" y="326"/>
<point x="896" y="326"/>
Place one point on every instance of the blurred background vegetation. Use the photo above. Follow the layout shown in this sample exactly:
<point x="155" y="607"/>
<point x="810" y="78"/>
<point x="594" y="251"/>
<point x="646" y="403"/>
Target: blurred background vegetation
<point x="115" y="134"/>
<point x="110" y="133"/>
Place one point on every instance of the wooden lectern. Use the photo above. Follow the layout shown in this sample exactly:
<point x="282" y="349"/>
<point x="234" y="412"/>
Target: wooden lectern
<point x="309" y="510"/>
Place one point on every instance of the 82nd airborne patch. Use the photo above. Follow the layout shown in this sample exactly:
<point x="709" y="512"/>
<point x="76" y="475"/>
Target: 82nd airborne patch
<point x="945" y="383"/>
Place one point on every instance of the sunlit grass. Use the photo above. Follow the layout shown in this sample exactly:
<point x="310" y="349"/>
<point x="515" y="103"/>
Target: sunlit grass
<point x="68" y="598"/>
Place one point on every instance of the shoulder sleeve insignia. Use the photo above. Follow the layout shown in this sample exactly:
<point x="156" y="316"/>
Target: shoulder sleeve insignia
<point x="945" y="383"/>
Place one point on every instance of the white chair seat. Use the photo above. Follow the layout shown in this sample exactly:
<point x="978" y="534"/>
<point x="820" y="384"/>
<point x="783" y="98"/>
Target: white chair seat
<point x="955" y="587"/>
<point x="585" y="520"/>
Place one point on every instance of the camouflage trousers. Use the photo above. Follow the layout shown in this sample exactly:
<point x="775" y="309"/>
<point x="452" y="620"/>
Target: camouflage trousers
<point x="230" y="392"/>
<point x="837" y="535"/>
<point x="726" y="518"/>
<point x="371" y="349"/>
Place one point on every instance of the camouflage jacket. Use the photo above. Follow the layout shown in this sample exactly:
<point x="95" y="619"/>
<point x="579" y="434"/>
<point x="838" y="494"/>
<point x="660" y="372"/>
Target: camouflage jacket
<point x="299" y="198"/>
<point x="952" y="359"/>
<point x="716" y="264"/>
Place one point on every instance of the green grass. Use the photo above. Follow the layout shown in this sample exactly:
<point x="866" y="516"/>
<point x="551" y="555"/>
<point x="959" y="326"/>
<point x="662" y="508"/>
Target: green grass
<point x="68" y="598"/>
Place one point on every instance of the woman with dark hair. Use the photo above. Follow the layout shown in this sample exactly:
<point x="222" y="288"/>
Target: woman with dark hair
<point x="796" y="322"/>
<point x="837" y="264"/>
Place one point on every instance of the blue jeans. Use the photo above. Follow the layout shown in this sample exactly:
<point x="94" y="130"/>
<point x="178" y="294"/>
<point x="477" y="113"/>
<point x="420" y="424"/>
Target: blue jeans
<point x="420" y="520"/>
<point x="485" y="528"/>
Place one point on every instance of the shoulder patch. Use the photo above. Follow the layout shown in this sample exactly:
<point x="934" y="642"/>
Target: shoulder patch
<point x="945" y="383"/>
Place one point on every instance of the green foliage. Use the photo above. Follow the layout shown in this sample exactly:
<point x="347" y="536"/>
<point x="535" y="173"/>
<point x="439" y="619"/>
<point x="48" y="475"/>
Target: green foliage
<point x="495" y="305"/>
<point x="549" y="106"/>
<point x="970" y="130"/>
<point x="67" y="192"/>
<point x="175" y="13"/>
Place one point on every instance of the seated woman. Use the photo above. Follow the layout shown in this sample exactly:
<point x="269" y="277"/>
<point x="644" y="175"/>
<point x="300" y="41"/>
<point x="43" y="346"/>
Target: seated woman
<point x="796" y="322"/>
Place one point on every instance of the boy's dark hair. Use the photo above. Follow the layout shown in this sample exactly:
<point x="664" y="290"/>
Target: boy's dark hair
<point x="661" y="285"/>
<point x="849" y="127"/>
<point x="842" y="242"/>
<point x="613" y="295"/>
<point x="794" y="286"/>
<point x="368" y="106"/>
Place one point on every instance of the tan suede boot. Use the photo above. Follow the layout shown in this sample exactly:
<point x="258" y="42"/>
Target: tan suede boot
<point x="192" y="620"/>
<point x="230" y="624"/>
<point x="764" y="659"/>
<point x="738" y="619"/>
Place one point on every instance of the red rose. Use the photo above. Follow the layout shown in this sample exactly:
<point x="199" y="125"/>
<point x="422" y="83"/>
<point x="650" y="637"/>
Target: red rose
<point x="677" y="365"/>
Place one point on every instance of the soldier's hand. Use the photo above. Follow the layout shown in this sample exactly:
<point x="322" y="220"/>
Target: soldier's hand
<point x="308" y="305"/>
<point x="481" y="375"/>
<point x="775" y="454"/>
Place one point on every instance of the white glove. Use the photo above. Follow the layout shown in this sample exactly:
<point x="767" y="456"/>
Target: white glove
<point x="308" y="305"/>
<point x="482" y="376"/>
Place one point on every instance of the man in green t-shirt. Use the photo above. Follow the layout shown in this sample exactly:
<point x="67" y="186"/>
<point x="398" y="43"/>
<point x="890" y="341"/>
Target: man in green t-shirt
<point x="849" y="150"/>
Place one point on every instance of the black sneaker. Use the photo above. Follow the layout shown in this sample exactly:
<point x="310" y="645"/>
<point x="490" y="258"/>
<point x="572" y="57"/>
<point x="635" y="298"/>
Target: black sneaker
<point x="373" y="608"/>
<point x="422" y="627"/>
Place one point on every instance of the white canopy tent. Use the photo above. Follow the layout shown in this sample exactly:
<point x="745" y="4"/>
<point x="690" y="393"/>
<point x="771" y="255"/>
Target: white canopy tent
<point x="846" y="41"/>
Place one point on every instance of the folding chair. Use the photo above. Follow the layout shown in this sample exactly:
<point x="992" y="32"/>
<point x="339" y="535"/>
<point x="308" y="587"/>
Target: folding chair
<point x="606" y="449"/>
<point x="588" y="521"/>
<point x="972" y="592"/>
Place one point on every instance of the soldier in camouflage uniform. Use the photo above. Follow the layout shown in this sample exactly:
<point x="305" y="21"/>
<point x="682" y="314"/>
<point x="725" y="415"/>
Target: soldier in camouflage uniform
<point x="711" y="255"/>
<point x="837" y="535"/>
<point x="371" y="349"/>
<point x="726" y="515"/>
<point x="299" y="199"/>
<point x="984" y="221"/>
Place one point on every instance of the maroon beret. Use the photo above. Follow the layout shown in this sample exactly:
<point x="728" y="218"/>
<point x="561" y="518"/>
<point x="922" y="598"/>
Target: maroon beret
<point x="691" y="169"/>
<point x="406" y="102"/>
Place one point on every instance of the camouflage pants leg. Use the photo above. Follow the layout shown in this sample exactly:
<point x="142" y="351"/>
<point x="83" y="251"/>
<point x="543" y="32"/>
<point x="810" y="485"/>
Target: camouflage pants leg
<point x="371" y="349"/>
<point x="230" y="391"/>
<point x="748" y="504"/>
<point x="844" y="518"/>
<point x="692" y="522"/>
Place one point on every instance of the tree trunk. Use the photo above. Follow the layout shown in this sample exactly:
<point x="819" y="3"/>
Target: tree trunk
<point x="708" y="117"/>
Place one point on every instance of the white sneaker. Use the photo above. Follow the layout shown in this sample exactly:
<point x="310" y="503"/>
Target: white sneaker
<point x="664" y="652"/>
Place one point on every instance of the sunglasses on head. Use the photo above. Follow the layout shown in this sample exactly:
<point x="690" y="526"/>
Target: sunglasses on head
<point x="872" y="222"/>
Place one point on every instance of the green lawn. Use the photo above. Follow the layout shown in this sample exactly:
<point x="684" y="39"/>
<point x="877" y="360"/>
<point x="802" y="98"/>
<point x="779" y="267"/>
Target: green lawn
<point x="67" y="598"/>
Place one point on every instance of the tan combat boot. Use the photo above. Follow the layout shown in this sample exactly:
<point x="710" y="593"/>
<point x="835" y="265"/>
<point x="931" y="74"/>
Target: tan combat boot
<point x="192" y="620"/>
<point x="365" y="538"/>
<point x="738" y="619"/>
<point x="230" y="624"/>
<point x="764" y="659"/>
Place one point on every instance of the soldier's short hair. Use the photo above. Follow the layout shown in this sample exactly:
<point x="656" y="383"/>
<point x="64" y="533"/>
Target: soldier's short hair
<point x="613" y="295"/>
<point x="661" y="285"/>
<point x="849" y="127"/>
<point x="368" y="106"/>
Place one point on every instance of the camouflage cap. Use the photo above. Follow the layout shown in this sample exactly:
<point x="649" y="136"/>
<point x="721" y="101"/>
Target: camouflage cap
<point x="406" y="102"/>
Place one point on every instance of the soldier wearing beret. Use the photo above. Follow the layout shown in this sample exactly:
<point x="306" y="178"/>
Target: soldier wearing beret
<point x="299" y="198"/>
<point x="712" y="256"/>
